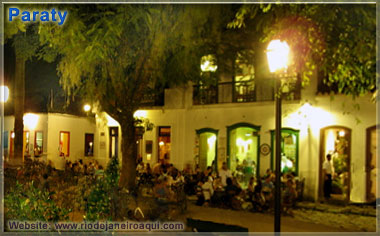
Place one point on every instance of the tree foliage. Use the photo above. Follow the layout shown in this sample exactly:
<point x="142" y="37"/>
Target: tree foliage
<point x="338" y="39"/>
<point x="116" y="54"/>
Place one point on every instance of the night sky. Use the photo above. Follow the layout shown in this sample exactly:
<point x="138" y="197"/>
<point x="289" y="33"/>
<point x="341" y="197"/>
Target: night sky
<point x="40" y="78"/>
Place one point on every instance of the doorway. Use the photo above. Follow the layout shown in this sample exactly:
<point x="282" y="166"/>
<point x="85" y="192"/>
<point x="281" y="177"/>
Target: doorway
<point x="164" y="144"/>
<point x="336" y="140"/>
<point x="114" y="142"/>
<point x="243" y="151"/>
<point x="371" y="166"/>
<point x="207" y="148"/>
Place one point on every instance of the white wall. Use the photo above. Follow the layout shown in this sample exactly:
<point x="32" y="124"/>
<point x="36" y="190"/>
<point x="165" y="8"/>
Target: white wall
<point x="77" y="126"/>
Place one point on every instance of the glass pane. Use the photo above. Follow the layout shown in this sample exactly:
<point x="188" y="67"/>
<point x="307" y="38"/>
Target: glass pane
<point x="38" y="148"/>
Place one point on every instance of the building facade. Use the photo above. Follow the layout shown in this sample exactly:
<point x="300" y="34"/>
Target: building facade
<point x="242" y="133"/>
<point x="228" y="122"/>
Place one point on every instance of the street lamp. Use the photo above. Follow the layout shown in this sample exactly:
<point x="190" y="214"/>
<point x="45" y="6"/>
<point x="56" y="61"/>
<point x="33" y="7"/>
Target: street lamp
<point x="86" y="108"/>
<point x="278" y="53"/>
<point x="4" y="91"/>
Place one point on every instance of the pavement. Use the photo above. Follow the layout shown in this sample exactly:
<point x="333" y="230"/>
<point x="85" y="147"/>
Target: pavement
<point x="363" y="210"/>
<point x="305" y="220"/>
<point x="255" y="222"/>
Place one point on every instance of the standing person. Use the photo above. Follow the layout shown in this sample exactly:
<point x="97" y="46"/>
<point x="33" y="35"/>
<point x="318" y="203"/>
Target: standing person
<point x="224" y="173"/>
<point x="327" y="170"/>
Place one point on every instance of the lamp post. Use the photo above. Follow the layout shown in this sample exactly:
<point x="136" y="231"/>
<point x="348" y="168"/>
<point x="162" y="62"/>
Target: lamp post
<point x="277" y="54"/>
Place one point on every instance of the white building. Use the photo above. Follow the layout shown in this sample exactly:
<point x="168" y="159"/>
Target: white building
<point x="50" y="136"/>
<point x="231" y="123"/>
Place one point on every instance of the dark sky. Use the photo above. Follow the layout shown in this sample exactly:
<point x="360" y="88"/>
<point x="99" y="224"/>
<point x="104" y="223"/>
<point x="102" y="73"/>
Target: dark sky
<point x="40" y="78"/>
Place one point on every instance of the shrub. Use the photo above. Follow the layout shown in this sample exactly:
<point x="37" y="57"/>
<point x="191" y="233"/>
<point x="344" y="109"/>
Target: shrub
<point x="103" y="197"/>
<point x="26" y="202"/>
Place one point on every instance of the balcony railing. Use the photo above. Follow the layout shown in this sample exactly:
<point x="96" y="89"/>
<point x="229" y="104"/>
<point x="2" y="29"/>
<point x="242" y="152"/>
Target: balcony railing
<point x="153" y="99"/>
<point x="237" y="92"/>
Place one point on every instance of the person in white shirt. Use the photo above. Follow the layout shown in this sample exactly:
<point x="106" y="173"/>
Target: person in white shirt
<point x="208" y="190"/>
<point x="224" y="173"/>
<point x="327" y="171"/>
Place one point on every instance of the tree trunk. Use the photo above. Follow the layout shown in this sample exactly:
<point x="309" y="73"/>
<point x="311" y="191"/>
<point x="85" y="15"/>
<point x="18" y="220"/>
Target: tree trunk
<point x="129" y="152"/>
<point x="19" y="109"/>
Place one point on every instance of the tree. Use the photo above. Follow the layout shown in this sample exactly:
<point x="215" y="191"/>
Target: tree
<point x="339" y="40"/>
<point x="25" y="41"/>
<point x="115" y="54"/>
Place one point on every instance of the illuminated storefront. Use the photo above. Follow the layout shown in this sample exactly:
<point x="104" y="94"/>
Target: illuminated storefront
<point x="242" y="150"/>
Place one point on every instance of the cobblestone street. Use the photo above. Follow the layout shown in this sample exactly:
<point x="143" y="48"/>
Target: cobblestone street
<point x="319" y="218"/>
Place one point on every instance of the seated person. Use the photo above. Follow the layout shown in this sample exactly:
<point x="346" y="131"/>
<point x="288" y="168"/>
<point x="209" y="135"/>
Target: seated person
<point x="161" y="190"/>
<point x="289" y="196"/>
<point x="231" y="191"/>
<point x="207" y="190"/>
<point x="199" y="193"/>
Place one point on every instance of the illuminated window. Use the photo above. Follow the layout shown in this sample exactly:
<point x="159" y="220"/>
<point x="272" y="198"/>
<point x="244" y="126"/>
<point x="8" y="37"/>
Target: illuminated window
<point x="289" y="150"/>
<point x="164" y="143"/>
<point x="38" y="143"/>
<point x="89" y="145"/>
<point x="64" y="143"/>
<point x="243" y="151"/>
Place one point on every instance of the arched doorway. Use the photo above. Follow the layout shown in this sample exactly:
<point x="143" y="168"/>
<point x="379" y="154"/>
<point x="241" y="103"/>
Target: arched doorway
<point x="371" y="167"/>
<point x="243" y="150"/>
<point x="336" y="140"/>
<point x="208" y="146"/>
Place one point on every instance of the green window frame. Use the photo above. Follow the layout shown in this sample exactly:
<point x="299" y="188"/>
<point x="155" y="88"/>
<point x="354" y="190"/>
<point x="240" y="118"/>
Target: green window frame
<point x="286" y="131"/>
<point x="214" y="131"/>
<point x="242" y="125"/>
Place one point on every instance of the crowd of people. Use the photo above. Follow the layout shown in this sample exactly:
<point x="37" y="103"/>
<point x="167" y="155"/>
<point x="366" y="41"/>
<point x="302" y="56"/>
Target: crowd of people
<point x="211" y="187"/>
<point x="218" y="188"/>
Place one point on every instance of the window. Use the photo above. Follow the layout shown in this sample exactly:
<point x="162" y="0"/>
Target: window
<point x="164" y="143"/>
<point x="207" y="146"/>
<point x="38" y="143"/>
<point x="64" y="143"/>
<point x="243" y="151"/>
<point x="289" y="150"/>
<point x="206" y="90"/>
<point x="89" y="145"/>
<point x="244" y="86"/>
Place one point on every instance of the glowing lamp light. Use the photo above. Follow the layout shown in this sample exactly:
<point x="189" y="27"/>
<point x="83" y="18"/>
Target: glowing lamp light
<point x="13" y="135"/>
<point x="239" y="142"/>
<point x="161" y="143"/>
<point x="278" y="55"/>
<point x="207" y="64"/>
<point x="86" y="108"/>
<point x="140" y="114"/>
<point x="211" y="140"/>
<point x="4" y="93"/>
<point x="31" y="120"/>
<point x="341" y="133"/>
